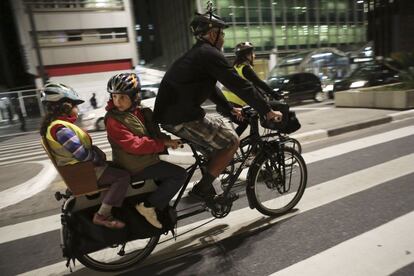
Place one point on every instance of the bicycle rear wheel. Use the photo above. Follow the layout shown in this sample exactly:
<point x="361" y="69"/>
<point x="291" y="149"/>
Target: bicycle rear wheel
<point x="110" y="259"/>
<point x="277" y="188"/>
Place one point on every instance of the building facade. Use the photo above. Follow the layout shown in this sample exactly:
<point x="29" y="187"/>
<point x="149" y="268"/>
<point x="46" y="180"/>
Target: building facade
<point x="391" y="26"/>
<point x="63" y="37"/>
<point x="293" y="25"/>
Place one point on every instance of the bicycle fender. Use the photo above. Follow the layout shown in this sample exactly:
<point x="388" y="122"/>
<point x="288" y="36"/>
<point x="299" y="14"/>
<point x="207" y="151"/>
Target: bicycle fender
<point x="250" y="184"/>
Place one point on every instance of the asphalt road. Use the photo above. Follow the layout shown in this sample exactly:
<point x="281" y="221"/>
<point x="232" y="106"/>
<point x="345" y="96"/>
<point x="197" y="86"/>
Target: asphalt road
<point x="354" y="219"/>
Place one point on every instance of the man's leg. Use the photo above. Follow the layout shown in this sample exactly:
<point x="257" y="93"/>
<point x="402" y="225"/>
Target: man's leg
<point x="221" y="159"/>
<point x="214" y="135"/>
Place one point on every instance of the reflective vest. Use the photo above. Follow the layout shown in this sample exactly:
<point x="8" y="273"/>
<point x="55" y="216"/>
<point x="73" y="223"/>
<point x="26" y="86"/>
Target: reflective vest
<point x="230" y="96"/>
<point x="133" y="163"/>
<point x="63" y="156"/>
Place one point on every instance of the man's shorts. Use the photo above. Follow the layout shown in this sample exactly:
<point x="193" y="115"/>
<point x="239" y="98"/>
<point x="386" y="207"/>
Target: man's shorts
<point x="209" y="133"/>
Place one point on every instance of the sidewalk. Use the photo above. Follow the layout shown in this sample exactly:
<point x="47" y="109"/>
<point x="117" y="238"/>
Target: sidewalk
<point x="321" y="123"/>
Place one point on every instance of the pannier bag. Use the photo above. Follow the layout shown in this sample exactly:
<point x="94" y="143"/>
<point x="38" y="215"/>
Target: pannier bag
<point x="289" y="123"/>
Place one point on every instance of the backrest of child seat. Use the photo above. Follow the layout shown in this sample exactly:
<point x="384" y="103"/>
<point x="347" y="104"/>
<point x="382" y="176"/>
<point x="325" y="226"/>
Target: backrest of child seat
<point x="80" y="178"/>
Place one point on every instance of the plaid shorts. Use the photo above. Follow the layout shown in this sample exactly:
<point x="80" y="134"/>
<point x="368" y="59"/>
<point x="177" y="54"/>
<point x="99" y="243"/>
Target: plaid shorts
<point x="209" y="133"/>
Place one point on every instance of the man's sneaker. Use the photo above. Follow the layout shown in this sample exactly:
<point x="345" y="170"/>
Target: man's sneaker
<point x="109" y="221"/>
<point x="149" y="214"/>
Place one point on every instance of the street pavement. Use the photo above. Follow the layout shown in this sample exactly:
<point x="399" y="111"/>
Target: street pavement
<point x="358" y="192"/>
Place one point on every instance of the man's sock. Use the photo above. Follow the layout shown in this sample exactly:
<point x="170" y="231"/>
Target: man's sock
<point x="105" y="210"/>
<point x="217" y="186"/>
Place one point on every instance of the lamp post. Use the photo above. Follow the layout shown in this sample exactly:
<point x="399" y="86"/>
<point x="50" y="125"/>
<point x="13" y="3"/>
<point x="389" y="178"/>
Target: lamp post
<point x="41" y="68"/>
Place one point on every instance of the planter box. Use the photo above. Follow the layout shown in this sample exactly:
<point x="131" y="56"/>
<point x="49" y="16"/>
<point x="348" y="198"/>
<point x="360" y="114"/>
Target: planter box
<point x="392" y="99"/>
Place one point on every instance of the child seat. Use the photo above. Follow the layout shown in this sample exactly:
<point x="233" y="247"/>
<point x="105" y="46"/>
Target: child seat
<point x="80" y="178"/>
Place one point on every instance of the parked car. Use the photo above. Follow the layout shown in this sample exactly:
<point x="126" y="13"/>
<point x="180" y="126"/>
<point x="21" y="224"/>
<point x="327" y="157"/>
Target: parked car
<point x="301" y="86"/>
<point x="368" y="75"/>
<point x="94" y="119"/>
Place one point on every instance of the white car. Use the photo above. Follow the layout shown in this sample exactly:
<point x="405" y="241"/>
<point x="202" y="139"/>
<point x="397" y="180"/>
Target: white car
<point x="93" y="120"/>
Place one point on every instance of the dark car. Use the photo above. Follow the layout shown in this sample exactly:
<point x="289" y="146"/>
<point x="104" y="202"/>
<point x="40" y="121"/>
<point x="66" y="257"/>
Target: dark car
<point x="368" y="75"/>
<point x="301" y="86"/>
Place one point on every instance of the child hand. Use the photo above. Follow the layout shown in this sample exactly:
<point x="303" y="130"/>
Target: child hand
<point x="100" y="153"/>
<point x="173" y="143"/>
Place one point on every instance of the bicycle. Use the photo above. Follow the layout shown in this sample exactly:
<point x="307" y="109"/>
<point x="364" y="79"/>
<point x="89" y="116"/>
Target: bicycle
<point x="248" y="142"/>
<point x="276" y="181"/>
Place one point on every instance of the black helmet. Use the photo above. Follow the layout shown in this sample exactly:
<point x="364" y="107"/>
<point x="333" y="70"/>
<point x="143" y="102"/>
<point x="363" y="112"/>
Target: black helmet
<point x="57" y="93"/>
<point x="243" y="48"/>
<point x="202" y="23"/>
<point x="124" y="83"/>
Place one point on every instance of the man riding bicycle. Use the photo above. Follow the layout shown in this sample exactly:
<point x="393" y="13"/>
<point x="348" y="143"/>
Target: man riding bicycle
<point x="189" y="82"/>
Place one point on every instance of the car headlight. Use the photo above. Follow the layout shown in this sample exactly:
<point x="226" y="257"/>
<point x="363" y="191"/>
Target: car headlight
<point x="357" y="84"/>
<point x="328" y="88"/>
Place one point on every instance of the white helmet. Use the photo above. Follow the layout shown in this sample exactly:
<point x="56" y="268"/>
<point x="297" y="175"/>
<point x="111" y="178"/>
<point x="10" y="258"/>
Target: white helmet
<point x="57" y="92"/>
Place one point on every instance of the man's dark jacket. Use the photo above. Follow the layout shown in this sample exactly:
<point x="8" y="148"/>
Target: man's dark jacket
<point x="191" y="80"/>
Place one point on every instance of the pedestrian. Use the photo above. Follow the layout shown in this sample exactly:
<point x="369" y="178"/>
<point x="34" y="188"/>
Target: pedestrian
<point x="137" y="141"/>
<point x="21" y="117"/>
<point x="10" y="113"/>
<point x="70" y="144"/>
<point x="93" y="102"/>
<point x="189" y="82"/>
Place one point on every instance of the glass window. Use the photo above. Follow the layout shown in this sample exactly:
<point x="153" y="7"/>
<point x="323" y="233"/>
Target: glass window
<point x="239" y="14"/>
<point x="254" y="15"/>
<point x="266" y="14"/>
<point x="252" y="3"/>
<point x="226" y="14"/>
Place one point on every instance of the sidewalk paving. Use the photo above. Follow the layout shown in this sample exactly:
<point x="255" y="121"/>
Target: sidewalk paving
<point x="321" y="123"/>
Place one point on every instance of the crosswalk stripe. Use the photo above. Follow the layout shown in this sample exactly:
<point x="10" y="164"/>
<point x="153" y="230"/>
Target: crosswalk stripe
<point x="32" y="186"/>
<point x="13" y="154"/>
<point x="19" y="145"/>
<point x="34" y="158"/>
<point x="36" y="144"/>
<point x="34" y="151"/>
<point x="357" y="144"/>
<point x="383" y="249"/>
<point x="314" y="197"/>
<point x="40" y="156"/>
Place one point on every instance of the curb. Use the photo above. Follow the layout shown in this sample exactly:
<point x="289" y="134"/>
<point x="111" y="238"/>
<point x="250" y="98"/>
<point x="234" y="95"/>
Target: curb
<point x="323" y="133"/>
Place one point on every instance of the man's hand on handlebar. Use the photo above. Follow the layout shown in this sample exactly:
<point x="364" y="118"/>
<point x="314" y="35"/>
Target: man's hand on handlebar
<point x="274" y="115"/>
<point x="173" y="143"/>
<point x="238" y="113"/>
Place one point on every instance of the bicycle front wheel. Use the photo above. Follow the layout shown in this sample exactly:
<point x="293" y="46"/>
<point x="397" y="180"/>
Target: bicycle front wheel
<point x="116" y="258"/>
<point x="276" y="188"/>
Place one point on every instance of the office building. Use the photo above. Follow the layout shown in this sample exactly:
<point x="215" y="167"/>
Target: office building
<point x="294" y="25"/>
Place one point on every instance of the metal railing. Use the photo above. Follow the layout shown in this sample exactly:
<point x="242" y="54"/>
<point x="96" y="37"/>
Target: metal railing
<point x="74" y="5"/>
<point x="27" y="102"/>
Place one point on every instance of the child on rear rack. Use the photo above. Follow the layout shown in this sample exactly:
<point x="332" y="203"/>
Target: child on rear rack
<point x="70" y="144"/>
<point x="136" y="143"/>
